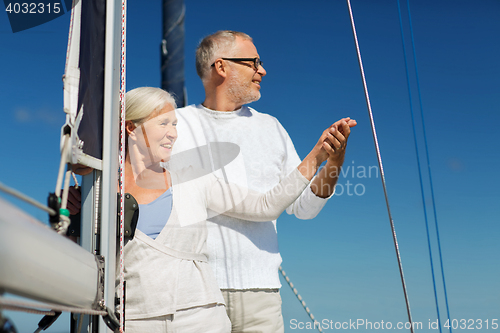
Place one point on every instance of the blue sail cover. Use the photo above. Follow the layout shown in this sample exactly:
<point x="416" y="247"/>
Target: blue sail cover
<point x="84" y="84"/>
<point x="91" y="64"/>
<point x="172" y="50"/>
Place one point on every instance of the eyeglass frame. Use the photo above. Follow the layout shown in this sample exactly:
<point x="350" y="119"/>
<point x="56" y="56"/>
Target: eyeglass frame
<point x="256" y="61"/>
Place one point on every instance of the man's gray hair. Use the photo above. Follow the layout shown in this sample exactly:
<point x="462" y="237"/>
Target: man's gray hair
<point x="218" y="45"/>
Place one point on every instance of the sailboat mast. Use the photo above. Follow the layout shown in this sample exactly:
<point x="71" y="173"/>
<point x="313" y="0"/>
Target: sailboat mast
<point x="172" y="50"/>
<point x="111" y="123"/>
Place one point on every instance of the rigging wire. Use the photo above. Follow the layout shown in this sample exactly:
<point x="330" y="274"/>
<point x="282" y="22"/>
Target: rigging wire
<point x="379" y="158"/>
<point x="309" y="313"/>
<point x="25" y="198"/>
<point x="418" y="163"/>
<point x="427" y="159"/>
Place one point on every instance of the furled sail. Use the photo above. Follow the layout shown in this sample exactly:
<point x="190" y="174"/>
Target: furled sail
<point x="84" y="83"/>
<point x="172" y="50"/>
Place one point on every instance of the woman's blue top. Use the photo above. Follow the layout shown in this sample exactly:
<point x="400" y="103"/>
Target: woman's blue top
<point x="154" y="215"/>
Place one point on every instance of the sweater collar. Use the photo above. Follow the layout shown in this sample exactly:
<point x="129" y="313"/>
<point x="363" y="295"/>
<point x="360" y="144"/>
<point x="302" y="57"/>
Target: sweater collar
<point x="222" y="114"/>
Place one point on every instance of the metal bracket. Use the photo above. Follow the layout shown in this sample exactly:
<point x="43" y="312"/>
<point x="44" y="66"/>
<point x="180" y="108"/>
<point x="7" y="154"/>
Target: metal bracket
<point x="99" y="299"/>
<point x="111" y="321"/>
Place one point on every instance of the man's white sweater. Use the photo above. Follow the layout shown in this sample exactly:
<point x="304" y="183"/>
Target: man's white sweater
<point x="242" y="254"/>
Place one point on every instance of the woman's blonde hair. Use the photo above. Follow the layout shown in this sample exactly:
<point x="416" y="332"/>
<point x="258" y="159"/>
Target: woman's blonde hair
<point x="142" y="103"/>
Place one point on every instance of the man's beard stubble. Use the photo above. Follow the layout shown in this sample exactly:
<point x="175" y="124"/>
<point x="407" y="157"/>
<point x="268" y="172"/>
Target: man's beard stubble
<point x="240" y="93"/>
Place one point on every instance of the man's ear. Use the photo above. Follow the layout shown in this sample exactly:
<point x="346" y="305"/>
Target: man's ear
<point x="220" y="68"/>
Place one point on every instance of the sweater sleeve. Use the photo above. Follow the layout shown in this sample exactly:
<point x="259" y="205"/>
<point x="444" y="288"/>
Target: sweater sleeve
<point x="239" y="202"/>
<point x="308" y="204"/>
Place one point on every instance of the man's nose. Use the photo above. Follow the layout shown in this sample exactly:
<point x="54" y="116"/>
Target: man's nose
<point x="261" y="70"/>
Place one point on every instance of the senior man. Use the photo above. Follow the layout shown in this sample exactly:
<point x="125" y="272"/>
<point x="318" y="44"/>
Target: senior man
<point x="244" y="255"/>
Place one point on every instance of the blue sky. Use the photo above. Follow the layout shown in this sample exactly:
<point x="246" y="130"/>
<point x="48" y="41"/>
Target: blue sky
<point x="343" y="262"/>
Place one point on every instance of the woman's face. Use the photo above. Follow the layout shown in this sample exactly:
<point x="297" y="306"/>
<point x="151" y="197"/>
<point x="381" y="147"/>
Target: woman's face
<point x="156" y="136"/>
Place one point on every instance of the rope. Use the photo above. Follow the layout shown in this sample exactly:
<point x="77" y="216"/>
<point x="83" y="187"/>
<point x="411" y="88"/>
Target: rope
<point x="31" y="307"/>
<point x="62" y="164"/>
<point x="64" y="222"/>
<point x="418" y="161"/>
<point x="25" y="198"/>
<point x="122" y="165"/>
<point x="71" y="22"/>
<point x="31" y="311"/>
<point x="300" y="300"/>
<point x="379" y="158"/>
<point x="75" y="180"/>
<point x="67" y="179"/>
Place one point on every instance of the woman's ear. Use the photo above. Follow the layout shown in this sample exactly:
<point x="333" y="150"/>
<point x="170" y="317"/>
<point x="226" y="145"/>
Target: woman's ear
<point x="129" y="128"/>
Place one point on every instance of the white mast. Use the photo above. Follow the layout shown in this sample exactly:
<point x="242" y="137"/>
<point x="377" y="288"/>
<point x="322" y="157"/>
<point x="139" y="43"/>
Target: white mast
<point x="111" y="123"/>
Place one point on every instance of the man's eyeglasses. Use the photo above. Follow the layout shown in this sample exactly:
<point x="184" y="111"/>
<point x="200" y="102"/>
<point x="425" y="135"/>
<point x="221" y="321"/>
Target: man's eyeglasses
<point x="256" y="61"/>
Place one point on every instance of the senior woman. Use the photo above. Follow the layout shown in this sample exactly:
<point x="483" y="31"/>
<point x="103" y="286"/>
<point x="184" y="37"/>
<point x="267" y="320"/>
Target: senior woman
<point x="170" y="286"/>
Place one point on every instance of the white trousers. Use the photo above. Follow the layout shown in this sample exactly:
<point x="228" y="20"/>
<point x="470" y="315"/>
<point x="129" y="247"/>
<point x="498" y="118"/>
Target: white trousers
<point x="206" y="319"/>
<point x="254" y="311"/>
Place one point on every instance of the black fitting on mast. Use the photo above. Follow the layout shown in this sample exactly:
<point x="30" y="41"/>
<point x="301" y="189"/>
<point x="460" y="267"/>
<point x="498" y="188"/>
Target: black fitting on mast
<point x="54" y="204"/>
